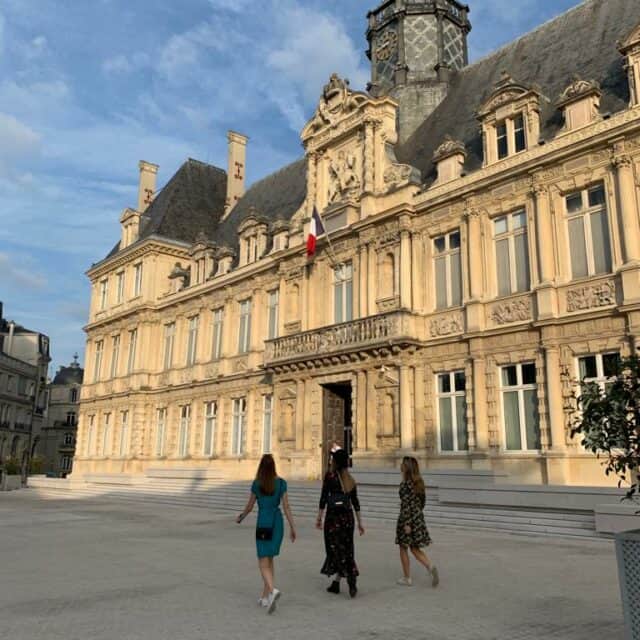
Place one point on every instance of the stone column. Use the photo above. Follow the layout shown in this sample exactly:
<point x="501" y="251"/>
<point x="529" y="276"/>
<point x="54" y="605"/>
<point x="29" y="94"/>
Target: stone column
<point x="360" y="425"/>
<point x="372" y="413"/>
<point x="312" y="168"/>
<point x="419" y="421"/>
<point x="417" y="275"/>
<point x="249" y="435"/>
<point x="474" y="243"/>
<point x="300" y="402"/>
<point x="481" y="419"/>
<point x="371" y="279"/>
<point x="628" y="208"/>
<point x="368" y="154"/>
<point x="407" y="431"/>
<point x="544" y="232"/>
<point x="362" y="281"/>
<point x="554" y="399"/>
<point x="405" y="269"/>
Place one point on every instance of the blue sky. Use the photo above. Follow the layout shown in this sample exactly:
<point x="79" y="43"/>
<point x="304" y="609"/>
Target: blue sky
<point x="89" y="88"/>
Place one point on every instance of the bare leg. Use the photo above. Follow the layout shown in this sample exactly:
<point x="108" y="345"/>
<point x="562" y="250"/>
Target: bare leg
<point x="404" y="561"/>
<point x="267" y="575"/>
<point x="421" y="557"/>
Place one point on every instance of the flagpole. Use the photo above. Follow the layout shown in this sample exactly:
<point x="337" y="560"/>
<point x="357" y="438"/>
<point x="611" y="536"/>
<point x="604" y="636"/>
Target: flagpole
<point x="331" y="252"/>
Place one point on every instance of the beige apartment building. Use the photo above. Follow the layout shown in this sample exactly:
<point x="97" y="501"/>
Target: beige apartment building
<point x="485" y="254"/>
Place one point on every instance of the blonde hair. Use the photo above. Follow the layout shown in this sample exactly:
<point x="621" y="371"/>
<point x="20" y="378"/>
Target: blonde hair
<point x="411" y="474"/>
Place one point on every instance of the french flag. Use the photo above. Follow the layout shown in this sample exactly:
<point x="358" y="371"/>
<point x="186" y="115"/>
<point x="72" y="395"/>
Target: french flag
<point x="316" y="229"/>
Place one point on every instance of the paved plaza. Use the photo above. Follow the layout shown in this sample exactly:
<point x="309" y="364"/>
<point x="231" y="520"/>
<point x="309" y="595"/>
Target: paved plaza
<point x="96" y="569"/>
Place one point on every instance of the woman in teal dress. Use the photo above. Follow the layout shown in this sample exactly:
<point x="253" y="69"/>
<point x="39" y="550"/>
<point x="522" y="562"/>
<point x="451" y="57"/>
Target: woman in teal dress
<point x="269" y="491"/>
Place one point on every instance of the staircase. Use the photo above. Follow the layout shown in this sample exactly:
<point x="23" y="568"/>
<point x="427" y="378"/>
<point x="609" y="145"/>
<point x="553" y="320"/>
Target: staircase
<point x="379" y="503"/>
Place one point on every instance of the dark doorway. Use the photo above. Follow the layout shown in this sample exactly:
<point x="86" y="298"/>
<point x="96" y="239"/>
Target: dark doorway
<point x="337" y="419"/>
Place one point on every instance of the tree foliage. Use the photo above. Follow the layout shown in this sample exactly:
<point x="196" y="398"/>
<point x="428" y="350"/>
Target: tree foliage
<point x="608" y="421"/>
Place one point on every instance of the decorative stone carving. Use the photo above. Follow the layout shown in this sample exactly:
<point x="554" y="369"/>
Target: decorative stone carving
<point x="446" y="325"/>
<point x="344" y="182"/>
<point x="511" y="311"/>
<point x="591" y="297"/>
<point x="448" y="148"/>
<point x="212" y="370"/>
<point x="577" y="90"/>
<point x="398" y="174"/>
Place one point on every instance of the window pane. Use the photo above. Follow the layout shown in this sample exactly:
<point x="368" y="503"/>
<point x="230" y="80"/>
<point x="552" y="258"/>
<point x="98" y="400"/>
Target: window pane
<point x="503" y="147"/>
<point x="348" y="300"/>
<point x="528" y="374"/>
<point x="459" y="378"/>
<point x="454" y="240"/>
<point x="601" y="245"/>
<point x="588" y="367"/>
<point x="461" y="419"/>
<point x="579" y="266"/>
<point x="446" y="427"/>
<point x="441" y="283"/>
<point x="439" y="244"/>
<point x="596" y="196"/>
<point x="610" y="364"/>
<point x="574" y="203"/>
<point x="520" y="138"/>
<point x="444" y="383"/>
<point x="501" y="225"/>
<point x="337" y="289"/>
<point x="509" y="376"/>
<point x="522" y="262"/>
<point x="519" y="220"/>
<point x="503" y="267"/>
<point x="456" y="280"/>
<point x="513" y="440"/>
<point x="531" y="419"/>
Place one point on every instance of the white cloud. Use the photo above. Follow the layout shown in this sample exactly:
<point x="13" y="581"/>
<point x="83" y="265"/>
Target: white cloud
<point x="17" y="143"/>
<point x="19" y="276"/>
<point x="122" y="64"/>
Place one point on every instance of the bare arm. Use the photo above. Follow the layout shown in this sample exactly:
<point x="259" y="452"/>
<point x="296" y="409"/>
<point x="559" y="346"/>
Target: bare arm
<point x="289" y="515"/>
<point x="248" y="509"/>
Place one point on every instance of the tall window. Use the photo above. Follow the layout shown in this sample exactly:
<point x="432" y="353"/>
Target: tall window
<point x="73" y="395"/>
<point x="124" y="433"/>
<point x="183" y="435"/>
<point x="448" y="270"/>
<point x="97" y="364"/>
<point x="589" y="232"/>
<point x="511" y="136"/>
<point x="452" y="411"/>
<point x="503" y="140"/>
<point x="273" y="305"/>
<point x="519" y="133"/>
<point x="90" y="435"/>
<point x="71" y="418"/>
<point x="343" y="293"/>
<point x="65" y="463"/>
<point x="68" y="439"/>
<point x="169" y="336"/>
<point x="133" y="344"/>
<point x="192" y="340"/>
<point x="115" y="355"/>
<point x="244" y="332"/>
<point x="267" y="424"/>
<point x="137" y="279"/>
<point x="239" y="419"/>
<point x="210" y="417"/>
<point x="598" y="368"/>
<point x="512" y="253"/>
<point x="106" y="435"/>
<point x="216" y="345"/>
<point x="119" y="287"/>
<point x="104" y="294"/>
<point x="520" y="407"/>
<point x="161" y="426"/>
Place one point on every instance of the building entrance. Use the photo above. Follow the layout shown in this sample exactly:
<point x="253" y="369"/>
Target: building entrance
<point x="337" y="419"/>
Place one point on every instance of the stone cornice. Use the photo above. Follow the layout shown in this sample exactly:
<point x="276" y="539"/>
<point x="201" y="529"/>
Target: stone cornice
<point x="596" y="133"/>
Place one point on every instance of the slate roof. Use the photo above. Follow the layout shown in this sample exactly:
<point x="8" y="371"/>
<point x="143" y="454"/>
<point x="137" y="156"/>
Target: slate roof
<point x="69" y="375"/>
<point x="581" y="41"/>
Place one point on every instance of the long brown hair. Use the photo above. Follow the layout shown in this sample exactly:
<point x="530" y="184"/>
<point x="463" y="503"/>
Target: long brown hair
<point x="411" y="474"/>
<point x="340" y="464"/>
<point x="267" y="475"/>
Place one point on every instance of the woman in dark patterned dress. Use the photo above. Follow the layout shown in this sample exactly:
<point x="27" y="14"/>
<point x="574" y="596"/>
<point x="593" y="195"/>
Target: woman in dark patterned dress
<point x="411" y="530"/>
<point x="339" y="523"/>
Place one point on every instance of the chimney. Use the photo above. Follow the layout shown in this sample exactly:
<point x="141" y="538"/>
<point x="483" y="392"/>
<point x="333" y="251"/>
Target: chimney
<point x="236" y="169"/>
<point x="147" y="186"/>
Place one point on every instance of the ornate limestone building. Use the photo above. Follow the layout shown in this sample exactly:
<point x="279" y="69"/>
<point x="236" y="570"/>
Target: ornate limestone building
<point x="485" y="252"/>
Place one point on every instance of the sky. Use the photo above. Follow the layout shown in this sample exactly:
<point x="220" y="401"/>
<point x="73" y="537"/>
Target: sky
<point x="87" y="89"/>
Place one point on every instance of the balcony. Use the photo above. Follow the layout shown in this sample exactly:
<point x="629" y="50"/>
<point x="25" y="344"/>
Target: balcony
<point x="384" y="330"/>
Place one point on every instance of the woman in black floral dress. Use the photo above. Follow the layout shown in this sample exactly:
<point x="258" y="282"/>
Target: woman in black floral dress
<point x="340" y="499"/>
<point x="411" y="530"/>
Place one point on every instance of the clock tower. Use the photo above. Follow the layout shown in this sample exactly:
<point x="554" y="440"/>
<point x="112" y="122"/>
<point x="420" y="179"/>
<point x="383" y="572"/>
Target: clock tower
<point x="414" y="47"/>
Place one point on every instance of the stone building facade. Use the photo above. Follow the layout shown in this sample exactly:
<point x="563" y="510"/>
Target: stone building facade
<point x="478" y="266"/>
<point x="24" y="360"/>
<point x="59" y="434"/>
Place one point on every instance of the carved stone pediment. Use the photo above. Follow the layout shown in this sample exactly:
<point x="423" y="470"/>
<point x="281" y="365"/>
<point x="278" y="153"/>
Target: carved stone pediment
<point x="631" y="43"/>
<point x="577" y="90"/>
<point x="448" y="148"/>
<point x="505" y="91"/>
<point x="337" y="100"/>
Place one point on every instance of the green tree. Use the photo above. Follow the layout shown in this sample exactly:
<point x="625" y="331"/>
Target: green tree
<point x="608" y="421"/>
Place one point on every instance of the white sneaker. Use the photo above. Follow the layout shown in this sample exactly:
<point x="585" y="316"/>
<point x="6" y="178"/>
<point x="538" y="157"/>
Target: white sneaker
<point x="262" y="602"/>
<point x="404" y="582"/>
<point x="273" y="597"/>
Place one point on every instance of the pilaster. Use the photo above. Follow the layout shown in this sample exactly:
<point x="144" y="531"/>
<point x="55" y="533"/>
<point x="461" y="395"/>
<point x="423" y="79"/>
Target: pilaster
<point x="407" y="430"/>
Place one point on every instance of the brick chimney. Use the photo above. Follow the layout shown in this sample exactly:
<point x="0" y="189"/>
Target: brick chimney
<point x="236" y="169"/>
<point x="147" y="186"/>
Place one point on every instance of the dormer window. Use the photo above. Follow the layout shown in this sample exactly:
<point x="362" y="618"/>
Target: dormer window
<point x="630" y="48"/>
<point x="203" y="259"/>
<point x="510" y="120"/>
<point x="253" y="239"/>
<point x="580" y="103"/>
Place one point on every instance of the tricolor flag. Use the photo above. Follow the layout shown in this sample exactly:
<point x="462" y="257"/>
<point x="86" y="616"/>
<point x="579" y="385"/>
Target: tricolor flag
<point x="316" y="229"/>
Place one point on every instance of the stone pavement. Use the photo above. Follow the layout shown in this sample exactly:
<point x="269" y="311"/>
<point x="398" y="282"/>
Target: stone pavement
<point x="98" y="570"/>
